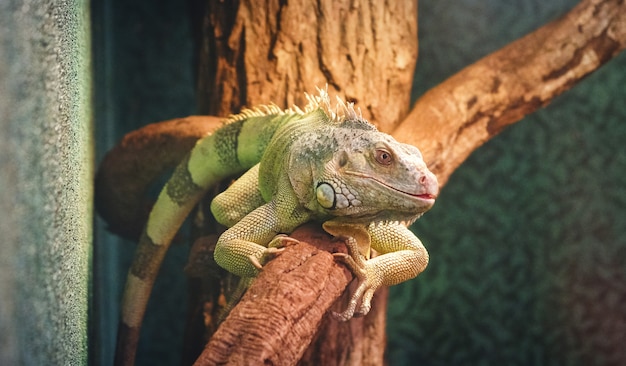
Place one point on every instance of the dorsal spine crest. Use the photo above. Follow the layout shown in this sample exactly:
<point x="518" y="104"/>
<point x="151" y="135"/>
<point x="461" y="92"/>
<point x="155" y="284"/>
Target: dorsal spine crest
<point x="341" y="112"/>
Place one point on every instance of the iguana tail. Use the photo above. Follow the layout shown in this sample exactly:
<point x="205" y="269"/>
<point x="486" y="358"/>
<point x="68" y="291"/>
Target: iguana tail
<point x="232" y="149"/>
<point x="139" y="159"/>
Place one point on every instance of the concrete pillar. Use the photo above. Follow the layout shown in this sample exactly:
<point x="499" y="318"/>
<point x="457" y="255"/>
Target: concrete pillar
<point x="46" y="169"/>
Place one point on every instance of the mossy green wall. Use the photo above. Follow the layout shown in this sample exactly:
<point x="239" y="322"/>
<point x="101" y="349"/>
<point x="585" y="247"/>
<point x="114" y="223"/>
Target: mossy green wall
<point x="46" y="168"/>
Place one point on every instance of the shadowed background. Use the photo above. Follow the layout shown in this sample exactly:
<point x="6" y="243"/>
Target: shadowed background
<point x="527" y="240"/>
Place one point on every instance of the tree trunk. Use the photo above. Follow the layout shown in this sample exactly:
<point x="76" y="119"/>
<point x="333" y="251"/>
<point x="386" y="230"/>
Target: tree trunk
<point x="261" y="52"/>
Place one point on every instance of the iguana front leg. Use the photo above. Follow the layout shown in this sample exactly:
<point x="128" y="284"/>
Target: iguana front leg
<point x="248" y="245"/>
<point x="241" y="198"/>
<point x="402" y="257"/>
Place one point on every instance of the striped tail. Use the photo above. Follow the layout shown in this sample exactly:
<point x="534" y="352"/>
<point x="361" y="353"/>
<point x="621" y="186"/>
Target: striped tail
<point x="231" y="150"/>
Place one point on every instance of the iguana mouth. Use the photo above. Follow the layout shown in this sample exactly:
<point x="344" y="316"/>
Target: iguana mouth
<point x="421" y="196"/>
<point x="426" y="196"/>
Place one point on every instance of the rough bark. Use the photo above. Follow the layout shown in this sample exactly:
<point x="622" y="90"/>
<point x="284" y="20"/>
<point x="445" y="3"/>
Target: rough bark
<point x="299" y="329"/>
<point x="261" y="330"/>
<point x="274" y="53"/>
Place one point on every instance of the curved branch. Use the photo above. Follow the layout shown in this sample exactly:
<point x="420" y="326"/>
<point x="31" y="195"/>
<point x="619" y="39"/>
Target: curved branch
<point x="459" y="115"/>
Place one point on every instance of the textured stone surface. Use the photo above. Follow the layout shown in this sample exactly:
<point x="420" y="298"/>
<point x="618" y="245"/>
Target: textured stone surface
<point x="46" y="164"/>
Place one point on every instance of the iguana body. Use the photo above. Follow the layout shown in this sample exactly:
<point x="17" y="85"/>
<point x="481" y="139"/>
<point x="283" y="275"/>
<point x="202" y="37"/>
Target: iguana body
<point x="317" y="164"/>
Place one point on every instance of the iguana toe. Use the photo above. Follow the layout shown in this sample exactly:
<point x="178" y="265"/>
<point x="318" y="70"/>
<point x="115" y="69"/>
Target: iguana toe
<point x="268" y="254"/>
<point x="363" y="296"/>
<point x="281" y="241"/>
<point x="352" y="264"/>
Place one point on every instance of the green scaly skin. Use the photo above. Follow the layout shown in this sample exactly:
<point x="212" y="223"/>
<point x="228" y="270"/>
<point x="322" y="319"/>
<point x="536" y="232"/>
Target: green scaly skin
<point x="323" y="164"/>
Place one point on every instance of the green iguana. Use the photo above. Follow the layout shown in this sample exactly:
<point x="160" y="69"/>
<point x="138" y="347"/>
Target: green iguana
<point x="321" y="163"/>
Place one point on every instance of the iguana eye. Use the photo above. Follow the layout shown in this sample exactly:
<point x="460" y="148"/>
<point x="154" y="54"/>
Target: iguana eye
<point x="383" y="157"/>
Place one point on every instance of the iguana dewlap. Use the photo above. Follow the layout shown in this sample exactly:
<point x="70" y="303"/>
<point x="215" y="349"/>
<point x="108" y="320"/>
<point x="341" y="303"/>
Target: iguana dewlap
<point x="324" y="164"/>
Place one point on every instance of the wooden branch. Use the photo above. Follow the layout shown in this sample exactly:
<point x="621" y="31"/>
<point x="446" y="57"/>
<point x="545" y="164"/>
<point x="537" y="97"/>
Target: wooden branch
<point x="279" y="315"/>
<point x="284" y="318"/>
<point x="459" y="115"/>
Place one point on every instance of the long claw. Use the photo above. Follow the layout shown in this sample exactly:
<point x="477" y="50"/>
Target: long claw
<point x="349" y="261"/>
<point x="269" y="252"/>
<point x="274" y="251"/>
<point x="255" y="262"/>
<point x="366" y="303"/>
<point x="344" y="316"/>
<point x="281" y="241"/>
<point x="352" y="304"/>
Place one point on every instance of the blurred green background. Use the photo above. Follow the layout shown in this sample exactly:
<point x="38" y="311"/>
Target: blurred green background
<point x="527" y="240"/>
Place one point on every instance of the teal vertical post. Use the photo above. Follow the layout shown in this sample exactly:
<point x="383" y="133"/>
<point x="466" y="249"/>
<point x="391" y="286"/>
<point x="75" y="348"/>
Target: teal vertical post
<point x="46" y="170"/>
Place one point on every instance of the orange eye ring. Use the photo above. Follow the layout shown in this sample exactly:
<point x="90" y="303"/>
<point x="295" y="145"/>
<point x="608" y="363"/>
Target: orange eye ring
<point x="383" y="157"/>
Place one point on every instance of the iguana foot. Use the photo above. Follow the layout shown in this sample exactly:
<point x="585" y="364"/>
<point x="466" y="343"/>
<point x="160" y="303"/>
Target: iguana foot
<point x="369" y="282"/>
<point x="357" y="261"/>
<point x="275" y="247"/>
<point x="362" y="294"/>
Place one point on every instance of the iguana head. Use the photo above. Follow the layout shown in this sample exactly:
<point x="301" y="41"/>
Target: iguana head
<point x="367" y="175"/>
<point x="340" y="165"/>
